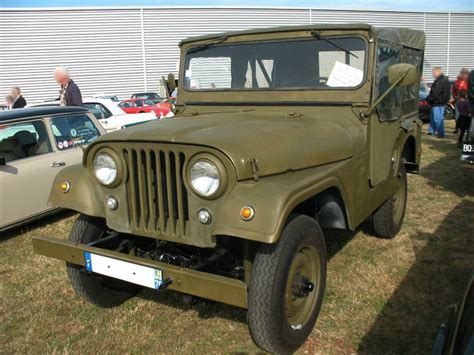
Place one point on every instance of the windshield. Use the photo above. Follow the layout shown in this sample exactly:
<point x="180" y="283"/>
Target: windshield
<point x="277" y="65"/>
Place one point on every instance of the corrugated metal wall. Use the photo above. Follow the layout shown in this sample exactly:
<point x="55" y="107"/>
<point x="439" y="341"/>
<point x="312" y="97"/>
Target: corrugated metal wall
<point x="121" y="51"/>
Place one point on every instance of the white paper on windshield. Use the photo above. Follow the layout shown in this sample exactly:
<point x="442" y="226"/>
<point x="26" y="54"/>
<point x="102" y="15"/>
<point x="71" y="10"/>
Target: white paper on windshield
<point x="343" y="75"/>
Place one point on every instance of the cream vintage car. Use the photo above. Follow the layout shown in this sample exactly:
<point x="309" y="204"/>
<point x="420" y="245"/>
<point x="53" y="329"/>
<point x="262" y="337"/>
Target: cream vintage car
<point x="109" y="114"/>
<point x="35" y="144"/>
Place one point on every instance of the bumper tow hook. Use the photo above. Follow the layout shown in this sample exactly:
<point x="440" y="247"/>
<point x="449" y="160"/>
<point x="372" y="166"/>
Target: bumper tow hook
<point x="165" y="284"/>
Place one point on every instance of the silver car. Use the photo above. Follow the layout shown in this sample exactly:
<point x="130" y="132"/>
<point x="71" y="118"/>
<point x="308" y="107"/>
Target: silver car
<point x="35" y="144"/>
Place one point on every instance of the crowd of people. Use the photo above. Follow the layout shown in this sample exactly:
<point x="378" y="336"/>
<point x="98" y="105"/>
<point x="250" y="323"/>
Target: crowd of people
<point x="69" y="92"/>
<point x="462" y="95"/>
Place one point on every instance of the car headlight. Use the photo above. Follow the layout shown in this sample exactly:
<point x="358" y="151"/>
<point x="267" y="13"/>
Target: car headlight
<point x="105" y="169"/>
<point x="205" y="178"/>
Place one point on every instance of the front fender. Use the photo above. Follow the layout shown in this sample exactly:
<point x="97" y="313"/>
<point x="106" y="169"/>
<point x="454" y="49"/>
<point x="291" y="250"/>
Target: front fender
<point x="83" y="196"/>
<point x="273" y="198"/>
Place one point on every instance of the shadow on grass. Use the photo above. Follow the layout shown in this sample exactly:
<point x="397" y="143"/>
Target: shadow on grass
<point x="409" y="320"/>
<point x="335" y="241"/>
<point x="39" y="223"/>
<point x="445" y="172"/>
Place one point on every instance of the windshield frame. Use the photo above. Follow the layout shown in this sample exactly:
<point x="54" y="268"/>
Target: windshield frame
<point x="279" y="89"/>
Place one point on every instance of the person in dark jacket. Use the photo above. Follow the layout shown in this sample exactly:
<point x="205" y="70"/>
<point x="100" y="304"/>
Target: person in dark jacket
<point x="70" y="94"/>
<point x="470" y="90"/>
<point x="438" y="97"/>
<point x="19" y="100"/>
<point x="464" y="108"/>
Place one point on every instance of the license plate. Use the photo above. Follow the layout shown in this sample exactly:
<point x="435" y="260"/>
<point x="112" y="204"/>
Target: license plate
<point x="123" y="270"/>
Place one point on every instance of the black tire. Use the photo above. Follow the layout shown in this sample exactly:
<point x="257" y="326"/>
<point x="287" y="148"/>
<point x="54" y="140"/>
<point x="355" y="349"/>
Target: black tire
<point x="99" y="290"/>
<point x="268" y="317"/>
<point x="388" y="219"/>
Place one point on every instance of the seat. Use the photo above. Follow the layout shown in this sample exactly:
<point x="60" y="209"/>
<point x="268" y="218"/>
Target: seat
<point x="27" y="141"/>
<point x="10" y="149"/>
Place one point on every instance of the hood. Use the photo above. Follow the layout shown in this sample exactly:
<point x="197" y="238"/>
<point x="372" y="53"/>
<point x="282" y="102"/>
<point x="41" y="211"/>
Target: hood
<point x="278" y="144"/>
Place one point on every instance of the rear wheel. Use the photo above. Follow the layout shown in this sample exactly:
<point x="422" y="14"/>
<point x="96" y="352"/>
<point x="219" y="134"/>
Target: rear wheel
<point x="96" y="289"/>
<point x="388" y="219"/>
<point x="286" y="287"/>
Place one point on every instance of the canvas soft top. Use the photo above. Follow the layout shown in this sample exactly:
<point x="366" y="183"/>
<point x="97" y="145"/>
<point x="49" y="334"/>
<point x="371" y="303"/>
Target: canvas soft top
<point x="407" y="37"/>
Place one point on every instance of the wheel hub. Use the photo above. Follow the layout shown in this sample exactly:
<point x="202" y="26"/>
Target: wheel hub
<point x="302" y="286"/>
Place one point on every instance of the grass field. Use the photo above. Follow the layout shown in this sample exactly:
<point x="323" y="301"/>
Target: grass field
<point x="382" y="296"/>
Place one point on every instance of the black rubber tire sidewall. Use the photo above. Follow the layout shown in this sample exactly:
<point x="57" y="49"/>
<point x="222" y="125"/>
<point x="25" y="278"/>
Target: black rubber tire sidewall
<point x="383" y="223"/>
<point x="266" y="296"/>
<point x="96" y="289"/>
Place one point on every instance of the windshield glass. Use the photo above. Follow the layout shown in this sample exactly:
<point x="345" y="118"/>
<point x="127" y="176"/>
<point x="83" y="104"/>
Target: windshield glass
<point x="277" y="65"/>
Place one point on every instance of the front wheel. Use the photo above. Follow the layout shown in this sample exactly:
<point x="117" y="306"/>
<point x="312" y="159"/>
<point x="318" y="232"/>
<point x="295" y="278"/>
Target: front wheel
<point x="388" y="219"/>
<point x="287" y="286"/>
<point x="99" y="290"/>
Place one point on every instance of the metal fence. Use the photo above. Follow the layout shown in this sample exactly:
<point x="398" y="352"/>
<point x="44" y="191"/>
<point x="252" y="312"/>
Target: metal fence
<point x="124" y="50"/>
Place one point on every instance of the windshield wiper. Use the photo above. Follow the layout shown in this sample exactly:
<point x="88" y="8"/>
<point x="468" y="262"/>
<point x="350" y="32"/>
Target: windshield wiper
<point x="317" y="35"/>
<point x="207" y="45"/>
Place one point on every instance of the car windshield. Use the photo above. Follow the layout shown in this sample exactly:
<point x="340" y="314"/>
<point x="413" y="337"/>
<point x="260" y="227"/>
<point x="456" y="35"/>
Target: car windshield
<point x="146" y="96"/>
<point x="73" y="130"/>
<point x="277" y="65"/>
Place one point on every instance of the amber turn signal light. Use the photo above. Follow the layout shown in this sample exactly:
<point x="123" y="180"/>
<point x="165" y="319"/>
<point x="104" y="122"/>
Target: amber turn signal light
<point x="65" y="186"/>
<point x="247" y="213"/>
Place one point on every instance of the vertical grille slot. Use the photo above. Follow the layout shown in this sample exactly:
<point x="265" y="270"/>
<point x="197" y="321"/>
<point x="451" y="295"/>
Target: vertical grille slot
<point x="157" y="196"/>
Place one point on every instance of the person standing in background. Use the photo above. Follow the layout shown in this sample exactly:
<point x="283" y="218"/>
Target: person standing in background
<point x="69" y="94"/>
<point x="9" y="101"/>
<point x="19" y="100"/>
<point x="438" y="97"/>
<point x="458" y="85"/>
<point x="470" y="90"/>
<point x="463" y="106"/>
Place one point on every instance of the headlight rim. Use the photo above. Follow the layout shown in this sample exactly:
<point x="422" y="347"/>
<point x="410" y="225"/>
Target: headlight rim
<point x="220" y="169"/>
<point x="118" y="163"/>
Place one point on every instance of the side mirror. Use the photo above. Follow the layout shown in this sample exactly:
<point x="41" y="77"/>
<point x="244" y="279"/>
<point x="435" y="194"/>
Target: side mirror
<point x="2" y="161"/>
<point x="405" y="70"/>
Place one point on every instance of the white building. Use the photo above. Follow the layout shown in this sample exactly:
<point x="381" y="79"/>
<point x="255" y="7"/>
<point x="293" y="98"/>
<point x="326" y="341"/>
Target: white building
<point x="125" y="50"/>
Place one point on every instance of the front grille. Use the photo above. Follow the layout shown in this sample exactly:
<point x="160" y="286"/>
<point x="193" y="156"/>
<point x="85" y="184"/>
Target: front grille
<point x="157" y="197"/>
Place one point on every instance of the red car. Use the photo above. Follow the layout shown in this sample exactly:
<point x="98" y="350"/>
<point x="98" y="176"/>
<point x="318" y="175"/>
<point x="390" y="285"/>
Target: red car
<point x="144" y="105"/>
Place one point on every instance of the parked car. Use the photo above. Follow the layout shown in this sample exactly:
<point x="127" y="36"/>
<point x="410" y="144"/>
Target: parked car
<point x="134" y="106"/>
<point x="109" y="114"/>
<point x="109" y="97"/>
<point x="170" y="103"/>
<point x="35" y="144"/>
<point x="456" y="335"/>
<point x="467" y="146"/>
<point x="231" y="200"/>
<point x="153" y="96"/>
<point x="424" y="107"/>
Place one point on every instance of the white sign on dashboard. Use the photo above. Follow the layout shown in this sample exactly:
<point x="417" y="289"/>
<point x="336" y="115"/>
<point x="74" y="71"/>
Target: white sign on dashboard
<point x="343" y="75"/>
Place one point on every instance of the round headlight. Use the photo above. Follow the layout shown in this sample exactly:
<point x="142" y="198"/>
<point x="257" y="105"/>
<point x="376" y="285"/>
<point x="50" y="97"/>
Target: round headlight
<point x="205" y="178"/>
<point x="105" y="169"/>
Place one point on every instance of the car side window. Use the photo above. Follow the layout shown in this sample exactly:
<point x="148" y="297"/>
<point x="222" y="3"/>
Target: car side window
<point x="409" y="93"/>
<point x="390" y="107"/>
<point x="73" y="130"/>
<point x="23" y="140"/>
<point x="100" y="111"/>
<point x="139" y="103"/>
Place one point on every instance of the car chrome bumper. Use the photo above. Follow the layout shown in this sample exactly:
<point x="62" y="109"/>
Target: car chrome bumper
<point x="197" y="283"/>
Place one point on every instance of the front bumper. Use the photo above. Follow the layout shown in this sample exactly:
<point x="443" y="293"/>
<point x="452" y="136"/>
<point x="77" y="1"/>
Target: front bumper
<point x="197" y="283"/>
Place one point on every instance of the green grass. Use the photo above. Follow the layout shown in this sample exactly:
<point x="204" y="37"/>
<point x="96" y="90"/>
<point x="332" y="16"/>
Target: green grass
<point x="382" y="296"/>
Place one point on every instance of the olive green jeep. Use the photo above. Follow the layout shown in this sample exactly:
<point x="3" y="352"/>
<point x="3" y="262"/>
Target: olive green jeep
<point x="279" y="135"/>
